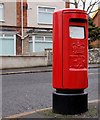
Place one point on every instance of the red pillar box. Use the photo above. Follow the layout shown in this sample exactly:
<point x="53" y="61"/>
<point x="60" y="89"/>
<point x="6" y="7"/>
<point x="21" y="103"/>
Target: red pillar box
<point x="70" y="61"/>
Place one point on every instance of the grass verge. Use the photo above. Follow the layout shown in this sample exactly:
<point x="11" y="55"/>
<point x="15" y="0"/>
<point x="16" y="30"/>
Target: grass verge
<point x="91" y="113"/>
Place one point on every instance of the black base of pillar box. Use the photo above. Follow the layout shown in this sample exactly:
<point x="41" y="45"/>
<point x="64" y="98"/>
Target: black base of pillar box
<point x="70" y="104"/>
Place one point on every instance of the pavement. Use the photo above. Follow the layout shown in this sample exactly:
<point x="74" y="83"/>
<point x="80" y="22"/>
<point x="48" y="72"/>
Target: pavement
<point x="39" y="114"/>
<point x="36" y="69"/>
<point x="26" y="70"/>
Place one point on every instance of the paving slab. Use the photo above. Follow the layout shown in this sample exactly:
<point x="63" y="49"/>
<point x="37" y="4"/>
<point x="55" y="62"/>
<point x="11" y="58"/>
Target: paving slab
<point x="26" y="69"/>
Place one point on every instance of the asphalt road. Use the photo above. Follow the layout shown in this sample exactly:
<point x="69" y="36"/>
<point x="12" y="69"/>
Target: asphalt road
<point x="28" y="92"/>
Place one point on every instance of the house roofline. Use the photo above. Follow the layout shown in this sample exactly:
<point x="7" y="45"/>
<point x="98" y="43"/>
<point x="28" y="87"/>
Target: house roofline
<point x="25" y="27"/>
<point x="94" y="15"/>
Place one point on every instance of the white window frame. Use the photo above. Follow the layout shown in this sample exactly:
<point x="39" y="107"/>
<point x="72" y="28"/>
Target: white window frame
<point x="3" y="12"/>
<point x="44" y="39"/>
<point x="32" y="41"/>
<point x="47" y="12"/>
<point x="13" y="37"/>
<point x="36" y="41"/>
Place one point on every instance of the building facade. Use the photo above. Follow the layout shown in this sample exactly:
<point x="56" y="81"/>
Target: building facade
<point x="96" y="21"/>
<point x="26" y="27"/>
<point x="41" y="38"/>
<point x="7" y="35"/>
<point x="96" y="16"/>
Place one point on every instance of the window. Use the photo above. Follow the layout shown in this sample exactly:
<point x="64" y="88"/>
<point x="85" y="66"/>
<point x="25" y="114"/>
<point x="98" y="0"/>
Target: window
<point x="43" y="42"/>
<point x="1" y="12"/>
<point x="7" y="44"/>
<point x="77" y="32"/>
<point x="39" y="38"/>
<point x="40" y="43"/>
<point x="30" y="44"/>
<point x="1" y="35"/>
<point x="49" y="38"/>
<point x="7" y="35"/>
<point x="43" y="38"/>
<point x="45" y="15"/>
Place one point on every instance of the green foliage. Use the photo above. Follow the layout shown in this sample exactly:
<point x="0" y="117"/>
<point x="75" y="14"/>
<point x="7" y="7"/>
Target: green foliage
<point x="91" y="113"/>
<point x="94" y="32"/>
<point x="90" y="46"/>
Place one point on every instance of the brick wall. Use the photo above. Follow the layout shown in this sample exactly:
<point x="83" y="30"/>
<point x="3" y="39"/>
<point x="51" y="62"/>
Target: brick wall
<point x="26" y="40"/>
<point x="97" y="19"/>
<point x="18" y="46"/>
<point x="67" y="5"/>
<point x="19" y="13"/>
<point x="25" y="13"/>
<point x="19" y="24"/>
<point x="18" y="21"/>
<point x="25" y="43"/>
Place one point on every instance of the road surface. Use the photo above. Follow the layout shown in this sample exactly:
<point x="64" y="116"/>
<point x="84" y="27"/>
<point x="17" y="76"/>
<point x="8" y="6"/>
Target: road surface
<point x="28" y="92"/>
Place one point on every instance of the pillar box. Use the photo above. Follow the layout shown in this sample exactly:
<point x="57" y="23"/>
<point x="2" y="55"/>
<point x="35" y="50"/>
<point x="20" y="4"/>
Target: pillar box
<point x="70" y="61"/>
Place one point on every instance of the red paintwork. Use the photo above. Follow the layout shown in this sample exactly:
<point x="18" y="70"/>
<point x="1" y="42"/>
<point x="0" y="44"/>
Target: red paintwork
<point x="70" y="56"/>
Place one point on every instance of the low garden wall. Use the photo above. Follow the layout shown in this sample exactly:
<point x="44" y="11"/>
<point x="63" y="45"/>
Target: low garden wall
<point x="94" y="56"/>
<point x="22" y="61"/>
<point x="39" y="59"/>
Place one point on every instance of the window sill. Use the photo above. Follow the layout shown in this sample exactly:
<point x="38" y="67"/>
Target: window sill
<point x="45" y="24"/>
<point x="2" y="21"/>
